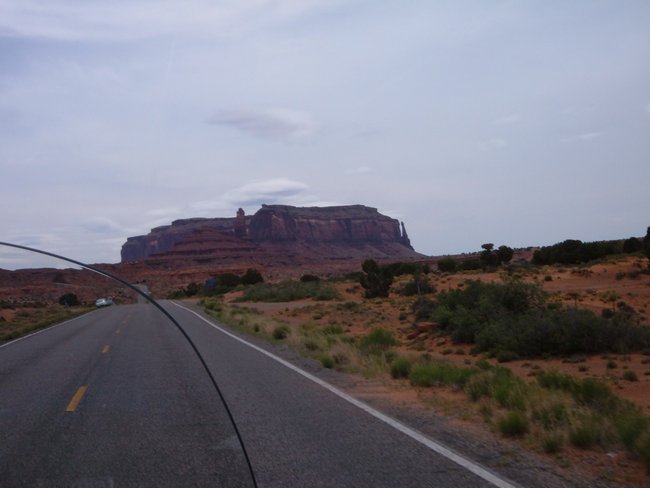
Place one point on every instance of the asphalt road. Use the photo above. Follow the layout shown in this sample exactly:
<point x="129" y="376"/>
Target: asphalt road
<point x="118" y="398"/>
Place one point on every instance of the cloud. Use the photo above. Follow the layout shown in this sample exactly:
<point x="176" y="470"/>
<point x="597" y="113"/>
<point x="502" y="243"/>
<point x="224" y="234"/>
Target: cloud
<point x="582" y="137"/>
<point x="273" y="191"/>
<point x="507" y="120"/>
<point x="647" y="108"/>
<point x="272" y="123"/>
<point x="358" y="171"/>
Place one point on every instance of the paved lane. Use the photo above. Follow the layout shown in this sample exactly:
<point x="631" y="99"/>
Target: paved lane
<point x="149" y="416"/>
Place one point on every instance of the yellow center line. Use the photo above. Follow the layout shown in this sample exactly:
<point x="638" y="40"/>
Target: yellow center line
<point x="72" y="406"/>
<point x="105" y="350"/>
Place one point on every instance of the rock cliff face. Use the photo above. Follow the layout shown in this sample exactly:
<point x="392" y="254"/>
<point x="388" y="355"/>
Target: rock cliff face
<point x="162" y="239"/>
<point x="276" y="230"/>
<point x="352" y="223"/>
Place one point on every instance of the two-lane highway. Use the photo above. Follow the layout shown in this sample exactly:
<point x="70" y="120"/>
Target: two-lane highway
<point x="117" y="398"/>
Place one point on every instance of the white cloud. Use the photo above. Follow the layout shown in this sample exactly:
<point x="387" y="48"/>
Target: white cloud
<point x="253" y="195"/>
<point x="271" y="123"/>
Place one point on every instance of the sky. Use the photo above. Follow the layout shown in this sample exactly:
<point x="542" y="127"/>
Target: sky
<point x="513" y="122"/>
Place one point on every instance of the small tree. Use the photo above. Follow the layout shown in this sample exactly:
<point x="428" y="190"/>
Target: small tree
<point x="504" y="254"/>
<point x="632" y="245"/>
<point x="488" y="256"/>
<point x="228" y="280"/>
<point x="646" y="243"/>
<point x="376" y="279"/>
<point x="251" y="277"/>
<point x="69" y="300"/>
<point x="192" y="289"/>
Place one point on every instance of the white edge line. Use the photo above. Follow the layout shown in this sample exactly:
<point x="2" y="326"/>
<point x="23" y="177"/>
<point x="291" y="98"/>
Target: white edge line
<point x="40" y="331"/>
<point x="462" y="461"/>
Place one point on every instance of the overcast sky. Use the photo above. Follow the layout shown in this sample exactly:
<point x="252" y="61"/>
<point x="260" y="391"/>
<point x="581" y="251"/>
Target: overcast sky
<point x="512" y="122"/>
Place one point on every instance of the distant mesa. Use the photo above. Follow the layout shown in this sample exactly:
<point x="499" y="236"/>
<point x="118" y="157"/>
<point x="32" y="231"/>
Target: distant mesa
<point x="273" y="234"/>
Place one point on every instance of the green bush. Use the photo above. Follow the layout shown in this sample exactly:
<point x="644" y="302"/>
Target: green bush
<point x="69" y="300"/>
<point x="551" y="416"/>
<point x="439" y="373"/>
<point x="594" y="394"/>
<point x="327" y="362"/>
<point x="516" y="318"/>
<point x="376" y="279"/>
<point x="630" y="376"/>
<point x="288" y="291"/>
<point x="552" y="380"/>
<point x="251" y="277"/>
<point x="513" y="424"/>
<point x="400" y="368"/>
<point x="631" y="426"/>
<point x="280" y="332"/>
<point x="585" y="434"/>
<point x="552" y="444"/>
<point x="378" y="340"/>
<point x="447" y="265"/>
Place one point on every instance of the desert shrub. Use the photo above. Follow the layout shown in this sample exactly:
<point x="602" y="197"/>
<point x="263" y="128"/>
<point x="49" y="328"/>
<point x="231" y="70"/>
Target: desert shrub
<point x="552" y="415"/>
<point x="630" y="376"/>
<point x="594" y="394"/>
<point x="631" y="425"/>
<point x="506" y="356"/>
<point x="280" y="332"/>
<point x="400" y="368"/>
<point x="378" y="340"/>
<point x="423" y="308"/>
<point x="439" y="373"/>
<point x="333" y="329"/>
<point x="327" y="362"/>
<point x="470" y="265"/>
<point x="632" y="245"/>
<point x="251" y="277"/>
<point x="552" y="444"/>
<point x="417" y="286"/>
<point x="309" y="277"/>
<point x="192" y="289"/>
<point x="513" y="424"/>
<point x="376" y="279"/>
<point x="517" y="317"/>
<point x="69" y="300"/>
<point x="552" y="380"/>
<point x="586" y="433"/>
<point x="500" y="384"/>
<point x="448" y="265"/>
<point x="288" y="291"/>
<point x="572" y="251"/>
<point x="348" y="307"/>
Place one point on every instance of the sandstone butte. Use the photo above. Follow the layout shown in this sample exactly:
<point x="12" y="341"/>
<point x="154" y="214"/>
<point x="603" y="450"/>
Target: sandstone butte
<point x="275" y="235"/>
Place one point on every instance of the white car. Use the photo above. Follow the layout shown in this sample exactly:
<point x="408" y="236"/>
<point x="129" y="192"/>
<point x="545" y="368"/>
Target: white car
<point x="104" y="302"/>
